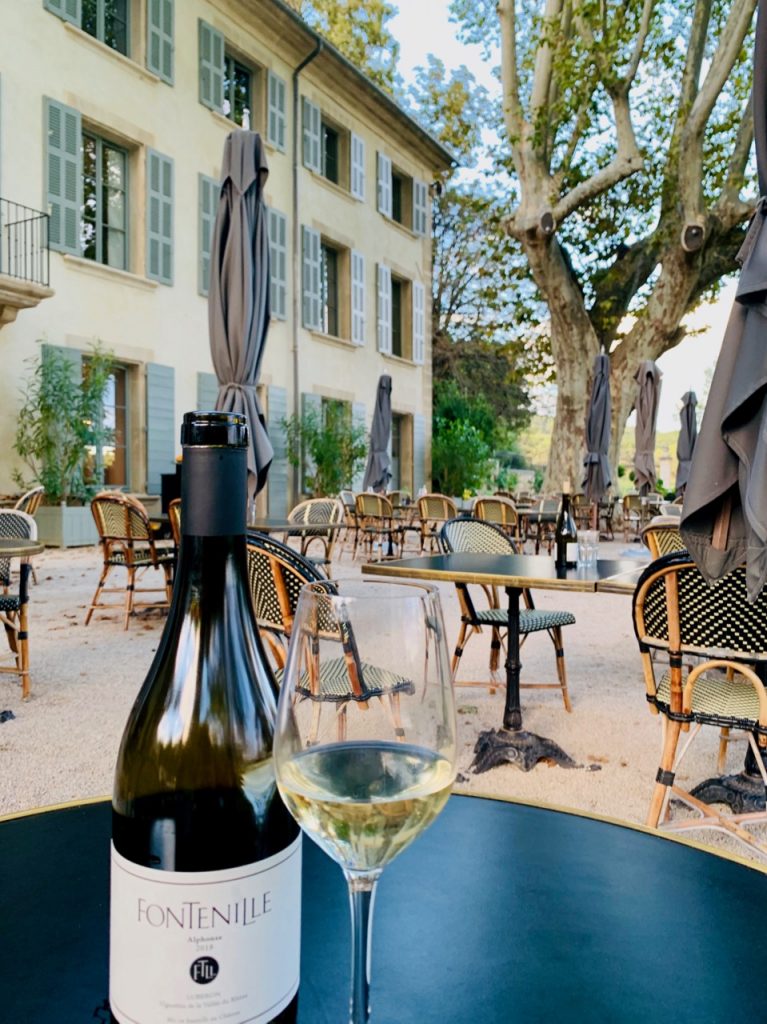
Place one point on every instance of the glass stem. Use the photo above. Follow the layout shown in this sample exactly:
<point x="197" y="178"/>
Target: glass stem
<point x="362" y="892"/>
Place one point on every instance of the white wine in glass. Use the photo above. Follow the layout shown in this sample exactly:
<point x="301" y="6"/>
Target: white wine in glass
<point x="365" y="746"/>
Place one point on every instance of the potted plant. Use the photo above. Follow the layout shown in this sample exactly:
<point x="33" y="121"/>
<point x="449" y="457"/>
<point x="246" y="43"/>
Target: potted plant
<point x="330" y="447"/>
<point x="60" y="431"/>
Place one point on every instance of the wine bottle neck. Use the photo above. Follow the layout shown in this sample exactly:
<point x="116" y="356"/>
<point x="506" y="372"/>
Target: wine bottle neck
<point x="214" y="492"/>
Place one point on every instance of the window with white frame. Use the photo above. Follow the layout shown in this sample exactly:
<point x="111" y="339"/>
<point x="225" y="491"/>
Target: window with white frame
<point x="325" y="284"/>
<point x="328" y="149"/>
<point x="120" y="25"/>
<point x="228" y="82"/>
<point x="104" y="211"/>
<point x="400" y="315"/>
<point x="400" y="196"/>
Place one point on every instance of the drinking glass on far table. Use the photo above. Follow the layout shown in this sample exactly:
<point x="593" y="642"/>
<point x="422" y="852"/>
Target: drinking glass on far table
<point x="588" y="548"/>
<point x="365" y="745"/>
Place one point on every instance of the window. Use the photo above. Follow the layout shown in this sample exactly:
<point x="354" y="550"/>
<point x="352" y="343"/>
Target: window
<point x="107" y="20"/>
<point x="401" y="198"/>
<point x="226" y="83"/>
<point x="116" y="24"/>
<point x="237" y="96"/>
<point x="103" y="220"/>
<point x="400" y="316"/>
<point x="327" y="149"/>
<point x="329" y="290"/>
<point x="396" y="318"/>
<point x="109" y="465"/>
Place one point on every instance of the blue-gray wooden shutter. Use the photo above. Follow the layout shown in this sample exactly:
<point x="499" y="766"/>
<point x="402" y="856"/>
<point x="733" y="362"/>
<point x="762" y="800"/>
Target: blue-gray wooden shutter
<point x="420" y="206"/>
<point x="419" y="453"/>
<point x="69" y="10"/>
<point x="383" y="185"/>
<point x="383" y="310"/>
<point x="275" y="106"/>
<point x="277" y="481"/>
<point x="159" y="39"/>
<point x="358" y="420"/>
<point x="211" y="67"/>
<point x="159" y="229"/>
<point x="160" y="424"/>
<point x="311" y="292"/>
<point x="309" y="404"/>
<point x="278" y="263"/>
<point x="357" y="166"/>
<point x="311" y="121"/>
<point x="73" y="356"/>
<point x="207" y="391"/>
<point x="63" y="175"/>
<point x="208" y="194"/>
<point x="358" y="298"/>
<point x="419" y="323"/>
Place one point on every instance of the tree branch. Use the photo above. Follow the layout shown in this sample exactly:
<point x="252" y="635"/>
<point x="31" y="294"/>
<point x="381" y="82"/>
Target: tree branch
<point x="636" y="57"/>
<point x="543" y="71"/>
<point x="512" y="106"/>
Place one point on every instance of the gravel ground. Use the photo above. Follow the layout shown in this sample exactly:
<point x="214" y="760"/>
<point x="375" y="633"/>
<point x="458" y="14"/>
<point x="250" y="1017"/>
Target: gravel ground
<point x="61" y="743"/>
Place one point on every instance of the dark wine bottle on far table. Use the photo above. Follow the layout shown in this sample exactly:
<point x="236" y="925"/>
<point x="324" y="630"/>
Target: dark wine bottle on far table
<point x="206" y="860"/>
<point x="565" y="534"/>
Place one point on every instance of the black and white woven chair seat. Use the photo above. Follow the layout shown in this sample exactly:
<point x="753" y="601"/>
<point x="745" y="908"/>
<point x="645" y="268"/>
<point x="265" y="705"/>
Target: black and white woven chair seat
<point x="9" y="602"/>
<point x="531" y="620"/>
<point x="714" y="700"/>
<point x="335" y="683"/>
<point x="141" y="556"/>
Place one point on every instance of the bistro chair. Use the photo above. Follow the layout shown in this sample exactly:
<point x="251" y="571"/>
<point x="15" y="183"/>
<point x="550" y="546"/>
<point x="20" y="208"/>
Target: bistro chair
<point x="498" y="510"/>
<point x="661" y="535"/>
<point x="316" y="515"/>
<point x="346" y="497"/>
<point x="632" y="517"/>
<point x="127" y="542"/>
<point x="377" y="526"/>
<point x="542" y="523"/>
<point x="30" y="502"/>
<point x="678" y="612"/>
<point x="174" y="518"/>
<point x="473" y="535"/>
<point x="583" y="512"/>
<point x="606" y="510"/>
<point x="13" y="605"/>
<point x="433" y="511"/>
<point x="277" y="573"/>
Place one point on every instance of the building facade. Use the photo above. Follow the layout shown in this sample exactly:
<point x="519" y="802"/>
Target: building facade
<point x="113" y="117"/>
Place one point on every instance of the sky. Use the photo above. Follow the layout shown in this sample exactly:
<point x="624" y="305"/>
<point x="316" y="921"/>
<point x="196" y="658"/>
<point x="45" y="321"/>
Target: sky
<point x="422" y="27"/>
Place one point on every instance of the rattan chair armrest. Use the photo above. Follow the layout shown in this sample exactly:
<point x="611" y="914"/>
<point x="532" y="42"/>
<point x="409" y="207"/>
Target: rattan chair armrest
<point x="740" y="669"/>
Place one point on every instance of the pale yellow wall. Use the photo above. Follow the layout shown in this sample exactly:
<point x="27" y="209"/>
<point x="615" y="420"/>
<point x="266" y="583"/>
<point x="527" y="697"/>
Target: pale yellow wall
<point x="140" y="320"/>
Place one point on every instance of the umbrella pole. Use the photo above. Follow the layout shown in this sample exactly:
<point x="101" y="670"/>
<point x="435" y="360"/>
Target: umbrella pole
<point x="722" y="524"/>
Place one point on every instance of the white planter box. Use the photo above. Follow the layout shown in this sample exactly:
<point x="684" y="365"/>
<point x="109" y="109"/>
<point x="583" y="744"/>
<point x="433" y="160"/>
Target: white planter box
<point x="59" y="526"/>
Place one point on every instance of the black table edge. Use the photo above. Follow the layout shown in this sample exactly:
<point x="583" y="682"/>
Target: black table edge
<point x="573" y="812"/>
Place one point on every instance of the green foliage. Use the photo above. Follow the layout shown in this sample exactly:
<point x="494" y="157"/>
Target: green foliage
<point x="329" y="447"/>
<point x="460" y="457"/>
<point x="60" y="423"/>
<point x="358" y="28"/>
<point x="451" y="107"/>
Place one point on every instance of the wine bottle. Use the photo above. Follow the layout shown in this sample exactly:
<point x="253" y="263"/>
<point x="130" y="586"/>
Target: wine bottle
<point x="564" y="533"/>
<point x="206" y="860"/>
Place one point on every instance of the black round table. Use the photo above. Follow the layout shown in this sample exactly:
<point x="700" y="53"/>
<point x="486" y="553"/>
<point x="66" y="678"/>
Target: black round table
<point x="499" y="912"/>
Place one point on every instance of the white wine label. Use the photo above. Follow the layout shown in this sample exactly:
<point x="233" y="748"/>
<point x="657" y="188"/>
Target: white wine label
<point x="214" y="947"/>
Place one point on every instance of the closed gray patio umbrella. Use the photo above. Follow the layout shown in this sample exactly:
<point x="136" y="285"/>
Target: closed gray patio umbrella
<point x="724" y="519"/>
<point x="648" y="380"/>
<point x="596" y="463"/>
<point x="685" y="443"/>
<point x="377" y="473"/>
<point x="238" y="299"/>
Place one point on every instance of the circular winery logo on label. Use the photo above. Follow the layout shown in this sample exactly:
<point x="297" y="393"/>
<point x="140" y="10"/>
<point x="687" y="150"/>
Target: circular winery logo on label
<point x="204" y="970"/>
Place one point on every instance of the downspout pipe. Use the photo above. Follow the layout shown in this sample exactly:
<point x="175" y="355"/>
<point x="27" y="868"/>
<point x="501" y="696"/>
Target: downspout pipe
<point x="297" y="240"/>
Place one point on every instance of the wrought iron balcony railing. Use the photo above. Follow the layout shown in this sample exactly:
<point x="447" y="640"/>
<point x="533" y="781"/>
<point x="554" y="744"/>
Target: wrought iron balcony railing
<point x="24" y="251"/>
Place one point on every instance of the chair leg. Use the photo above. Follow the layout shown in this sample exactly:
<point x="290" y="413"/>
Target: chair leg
<point x="724" y="739"/>
<point x="459" y="645"/>
<point x="665" y="777"/>
<point x="99" y="586"/>
<point x="129" y="594"/>
<point x="556" y="636"/>
<point x="24" y="650"/>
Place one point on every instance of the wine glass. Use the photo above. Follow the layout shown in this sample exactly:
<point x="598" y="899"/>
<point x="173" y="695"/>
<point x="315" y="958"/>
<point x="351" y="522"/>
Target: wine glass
<point x="365" y="745"/>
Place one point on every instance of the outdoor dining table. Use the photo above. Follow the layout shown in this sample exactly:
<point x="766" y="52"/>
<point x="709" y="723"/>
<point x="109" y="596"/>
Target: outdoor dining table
<point x="498" y="912"/>
<point x="19" y="547"/>
<point x="514" y="573"/>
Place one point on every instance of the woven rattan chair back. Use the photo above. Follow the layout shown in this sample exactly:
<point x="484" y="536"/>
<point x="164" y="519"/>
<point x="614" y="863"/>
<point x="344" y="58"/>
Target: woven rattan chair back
<point x="127" y="541"/>
<point x="14" y="525"/>
<point x="475" y="536"/>
<point x="30" y="502"/>
<point x="174" y="518"/>
<point x="677" y="611"/>
<point x="497" y="510"/>
<point x="375" y="522"/>
<point x="433" y="511"/>
<point x="661" y="536"/>
<point x="369" y="504"/>
<point x="13" y="605"/>
<point x="317" y="511"/>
